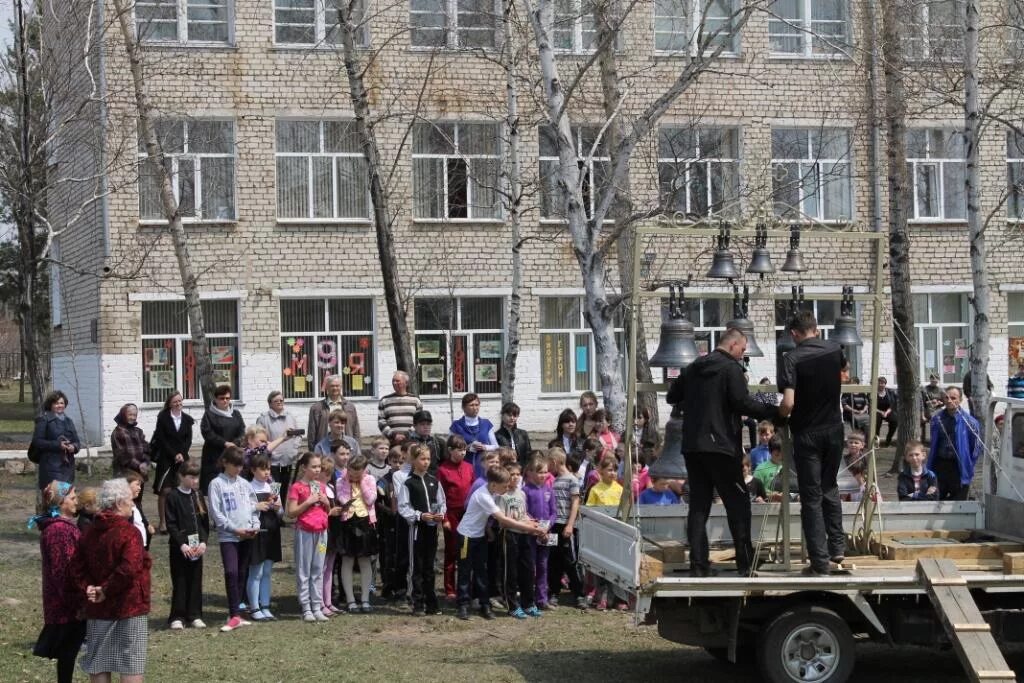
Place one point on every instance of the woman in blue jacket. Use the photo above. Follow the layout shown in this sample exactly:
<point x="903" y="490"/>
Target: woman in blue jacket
<point x="55" y="442"/>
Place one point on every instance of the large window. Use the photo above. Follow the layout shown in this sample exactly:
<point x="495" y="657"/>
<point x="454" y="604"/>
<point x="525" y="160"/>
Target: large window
<point x="811" y="173"/>
<point x="943" y="335"/>
<point x="1015" y="175"/>
<point x="682" y="25"/>
<point x="453" y="24"/>
<point x="699" y="170"/>
<point x="321" y="171"/>
<point x="456" y="170"/>
<point x="574" y="29"/>
<point x="825" y="312"/>
<point x="1015" y="317"/>
<point x="935" y="30"/>
<point x="567" y="357"/>
<point x="168" y="359"/>
<point x="199" y="155"/>
<point x="322" y="337"/>
<point x="183" y="21"/>
<point x="459" y="343"/>
<point x="809" y="28"/>
<point x="937" y="166"/>
<point x="315" y="22"/>
<point x="594" y="169"/>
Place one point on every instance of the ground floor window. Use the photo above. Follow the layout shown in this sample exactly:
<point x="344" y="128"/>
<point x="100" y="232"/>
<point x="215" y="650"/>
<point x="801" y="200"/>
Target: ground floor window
<point x="943" y="335"/>
<point x="1015" y="316"/>
<point x="459" y="344"/>
<point x="567" y="357"/>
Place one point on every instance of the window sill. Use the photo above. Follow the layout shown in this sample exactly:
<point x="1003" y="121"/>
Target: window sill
<point x="189" y="403"/>
<point x="156" y="223"/>
<point x="804" y="57"/>
<point x="357" y="222"/>
<point x="311" y="47"/>
<point x="686" y="54"/>
<point x="462" y="222"/>
<point x="444" y="397"/>
<point x="561" y="223"/>
<point x="190" y="45"/>
<point x="426" y="49"/>
<point x="939" y="222"/>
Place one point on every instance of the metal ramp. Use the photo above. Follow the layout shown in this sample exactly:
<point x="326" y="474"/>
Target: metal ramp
<point x="967" y="629"/>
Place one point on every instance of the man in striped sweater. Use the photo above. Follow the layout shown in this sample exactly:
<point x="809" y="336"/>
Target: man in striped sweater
<point x="395" y="411"/>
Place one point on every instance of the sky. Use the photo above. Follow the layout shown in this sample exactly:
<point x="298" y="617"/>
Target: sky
<point x="6" y="15"/>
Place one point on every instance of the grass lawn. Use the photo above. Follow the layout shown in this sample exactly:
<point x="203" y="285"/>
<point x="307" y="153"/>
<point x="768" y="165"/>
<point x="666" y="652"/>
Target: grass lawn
<point x="15" y="417"/>
<point x="389" y="645"/>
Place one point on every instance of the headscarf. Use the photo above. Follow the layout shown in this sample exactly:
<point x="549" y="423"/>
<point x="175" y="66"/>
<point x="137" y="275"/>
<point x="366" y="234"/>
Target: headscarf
<point x="58" y="493"/>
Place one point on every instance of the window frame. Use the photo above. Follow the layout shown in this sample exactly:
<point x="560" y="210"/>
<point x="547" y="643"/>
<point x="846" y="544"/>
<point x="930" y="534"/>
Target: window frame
<point x="586" y="163"/>
<point x="182" y="24"/>
<point x="470" y="337"/>
<point x="177" y="350"/>
<point x="805" y="27"/>
<point x="922" y="27"/>
<point x="457" y="155"/>
<point x="452" y="29"/>
<point x="814" y="163"/>
<point x="1015" y="192"/>
<point x="1011" y="323"/>
<point x="691" y="19"/>
<point x="826" y="329"/>
<point x="311" y="178"/>
<point x="320" y="30"/>
<point x="174" y="160"/>
<point x="731" y="206"/>
<point x="922" y="327"/>
<point x="940" y="163"/>
<point x="582" y="330"/>
<point x="315" y="363"/>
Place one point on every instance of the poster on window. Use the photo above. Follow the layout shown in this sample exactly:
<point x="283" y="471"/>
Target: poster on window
<point x="960" y="348"/>
<point x="161" y="379"/>
<point x="428" y="348"/>
<point x="486" y="372"/>
<point x="948" y="367"/>
<point x="157" y="355"/>
<point x="490" y="349"/>
<point x="432" y="373"/>
<point x="221" y="376"/>
<point x="222" y="355"/>
<point x="1016" y="353"/>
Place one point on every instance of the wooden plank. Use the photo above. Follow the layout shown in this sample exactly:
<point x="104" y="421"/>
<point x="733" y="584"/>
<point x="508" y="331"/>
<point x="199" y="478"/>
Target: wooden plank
<point x="963" y="628"/>
<point x="1013" y="563"/>
<point x="894" y="550"/>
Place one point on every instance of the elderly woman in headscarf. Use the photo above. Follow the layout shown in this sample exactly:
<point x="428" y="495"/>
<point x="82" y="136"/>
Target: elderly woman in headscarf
<point x="113" y="572"/>
<point x="128" y="445"/>
<point x="63" y="631"/>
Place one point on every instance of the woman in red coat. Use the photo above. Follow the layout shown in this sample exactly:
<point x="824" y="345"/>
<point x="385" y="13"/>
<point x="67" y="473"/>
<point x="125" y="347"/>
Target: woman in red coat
<point x="112" y="572"/>
<point x="63" y="630"/>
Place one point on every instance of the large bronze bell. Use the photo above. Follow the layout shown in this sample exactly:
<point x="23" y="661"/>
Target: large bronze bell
<point x="761" y="260"/>
<point x="722" y="265"/>
<point x="742" y="323"/>
<point x="670" y="464"/>
<point x="794" y="259"/>
<point x="845" y="332"/>
<point x="676" y="346"/>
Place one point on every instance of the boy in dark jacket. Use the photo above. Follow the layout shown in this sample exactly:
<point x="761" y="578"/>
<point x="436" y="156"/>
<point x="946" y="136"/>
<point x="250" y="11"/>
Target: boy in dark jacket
<point x="916" y="482"/>
<point x="421" y="504"/>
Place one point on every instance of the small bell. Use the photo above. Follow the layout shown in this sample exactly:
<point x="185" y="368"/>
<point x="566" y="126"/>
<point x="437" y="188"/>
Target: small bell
<point x="676" y="345"/>
<point x="742" y="323"/>
<point x="794" y="260"/>
<point x="722" y="265"/>
<point x="671" y="464"/>
<point x="845" y="332"/>
<point x="761" y="260"/>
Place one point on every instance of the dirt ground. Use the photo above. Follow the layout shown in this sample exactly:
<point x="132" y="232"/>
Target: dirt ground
<point x="390" y="644"/>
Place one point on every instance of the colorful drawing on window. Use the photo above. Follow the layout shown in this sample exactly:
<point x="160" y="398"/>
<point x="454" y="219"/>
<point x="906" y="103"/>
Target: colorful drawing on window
<point x="356" y="363"/>
<point x="486" y="372"/>
<point x="960" y="348"/>
<point x="490" y="349"/>
<point x="326" y="354"/>
<point x="549" y="362"/>
<point x="222" y="355"/>
<point x="459" y="365"/>
<point x="432" y="373"/>
<point x="299" y="384"/>
<point x="161" y="379"/>
<point x="221" y="376"/>
<point x="581" y="359"/>
<point x="357" y="382"/>
<point x="364" y="343"/>
<point x="428" y="348"/>
<point x="157" y="356"/>
<point x="189" y="361"/>
<point x="947" y="365"/>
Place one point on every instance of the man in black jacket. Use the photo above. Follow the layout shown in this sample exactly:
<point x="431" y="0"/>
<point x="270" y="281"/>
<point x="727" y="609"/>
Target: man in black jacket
<point x="714" y="397"/>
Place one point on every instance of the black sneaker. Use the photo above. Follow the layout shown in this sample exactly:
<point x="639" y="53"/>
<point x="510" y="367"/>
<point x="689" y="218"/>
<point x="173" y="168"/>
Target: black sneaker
<point x="462" y="613"/>
<point x="837" y="559"/>
<point x="419" y="612"/>
<point x="814" y="572"/>
<point x="486" y="613"/>
<point x="702" y="572"/>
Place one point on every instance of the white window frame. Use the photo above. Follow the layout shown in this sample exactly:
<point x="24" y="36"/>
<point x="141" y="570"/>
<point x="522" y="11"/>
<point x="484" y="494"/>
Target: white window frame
<point x="316" y="369"/>
<point x="923" y="327"/>
<point x="581" y="330"/>
<point x="181" y="16"/>
<point x="322" y="39"/>
<point x="179" y="340"/>
<point x="310" y="195"/>
<point x="1015" y="162"/>
<point x="470" y="337"/>
<point x="812" y="162"/>
<point x="586" y="161"/>
<point x="808" y="32"/>
<point x="583" y="24"/>
<point x="729" y="204"/>
<point x="174" y="159"/>
<point x="939" y="163"/>
<point x="1012" y="323"/>
<point x="457" y="154"/>
<point x="919" y="30"/>
<point x="453" y="31"/>
<point x="689" y="13"/>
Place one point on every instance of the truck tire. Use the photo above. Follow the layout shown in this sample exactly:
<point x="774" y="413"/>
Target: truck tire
<point x="806" y="644"/>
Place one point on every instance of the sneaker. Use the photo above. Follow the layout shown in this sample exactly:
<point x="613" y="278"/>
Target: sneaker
<point x="243" y="622"/>
<point x="546" y="606"/>
<point x="366" y="608"/>
<point x="437" y="612"/>
<point x="581" y="603"/>
<point x="308" y="617"/>
<point x="552" y="602"/>
<point x="198" y="623"/>
<point x="496" y="603"/>
<point x="602" y="605"/>
<point x="518" y="613"/>
<point x="533" y="611"/>
<point x="233" y="623"/>
<point x="353" y="608"/>
<point x="268" y="615"/>
<point x="327" y="612"/>
<point x="319" y="615"/>
<point x="462" y="613"/>
<point x="813" y="572"/>
<point x="259" y="616"/>
<point x="487" y="613"/>
<point x="177" y="625"/>
<point x="621" y="606"/>
<point x="837" y="559"/>
<point x="242" y="607"/>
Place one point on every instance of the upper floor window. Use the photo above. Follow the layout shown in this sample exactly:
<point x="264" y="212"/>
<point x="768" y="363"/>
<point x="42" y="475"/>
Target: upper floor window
<point x="1015" y="175"/>
<point x="459" y="343"/>
<point x="811" y="173"/>
<point x="315" y="22"/>
<point x="683" y="25"/>
<point x="183" y="21"/>
<point x="453" y="23"/>
<point x="699" y="170"/>
<point x="324" y="337"/>
<point x="936" y="163"/>
<point x="935" y="30"/>
<point x="593" y="168"/>
<point x="809" y="28"/>
<point x="321" y="171"/>
<point x="199" y="155"/>
<point x="168" y="357"/>
<point x="574" y="28"/>
<point x="456" y="170"/>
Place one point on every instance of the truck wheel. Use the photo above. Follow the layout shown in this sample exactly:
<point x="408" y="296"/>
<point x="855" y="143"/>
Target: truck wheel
<point x="806" y="644"/>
